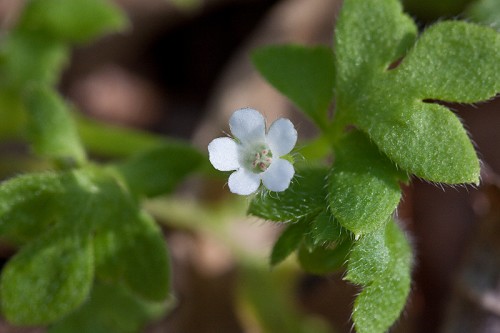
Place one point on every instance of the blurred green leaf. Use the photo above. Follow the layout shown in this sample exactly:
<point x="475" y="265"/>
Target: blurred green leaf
<point x="26" y="205"/>
<point x="381" y="302"/>
<point x="485" y="12"/>
<point x="324" y="259"/>
<point x="269" y="296"/>
<point x="26" y="58"/>
<point x="304" y="74"/>
<point x="110" y="309"/>
<point x="133" y="252"/>
<point x="47" y="279"/>
<point x="288" y="241"/>
<point x="160" y="169"/>
<point x="51" y="129"/>
<point x="72" y="21"/>
<point x="304" y="198"/>
<point x="363" y="185"/>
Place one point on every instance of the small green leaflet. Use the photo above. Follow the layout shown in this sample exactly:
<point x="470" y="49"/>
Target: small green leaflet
<point x="363" y="185"/>
<point x="381" y="301"/>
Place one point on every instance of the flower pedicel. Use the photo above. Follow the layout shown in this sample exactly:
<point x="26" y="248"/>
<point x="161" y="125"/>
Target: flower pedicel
<point x="255" y="154"/>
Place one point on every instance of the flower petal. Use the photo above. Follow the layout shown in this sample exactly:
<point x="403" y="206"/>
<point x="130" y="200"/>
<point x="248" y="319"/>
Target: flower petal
<point x="277" y="178"/>
<point x="243" y="182"/>
<point x="248" y="125"/>
<point x="281" y="137"/>
<point x="223" y="154"/>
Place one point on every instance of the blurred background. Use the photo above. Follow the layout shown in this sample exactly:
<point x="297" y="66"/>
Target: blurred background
<point x="180" y="70"/>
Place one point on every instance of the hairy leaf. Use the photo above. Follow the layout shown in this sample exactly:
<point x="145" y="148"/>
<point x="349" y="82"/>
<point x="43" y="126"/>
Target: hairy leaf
<point x="303" y="74"/>
<point x="363" y="185"/>
<point x="381" y="302"/>
<point x="368" y="258"/>
<point x="304" y="198"/>
<point x="47" y="279"/>
<point x="453" y="61"/>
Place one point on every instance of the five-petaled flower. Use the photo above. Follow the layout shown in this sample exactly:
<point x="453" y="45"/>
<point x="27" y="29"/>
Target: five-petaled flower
<point x="255" y="154"/>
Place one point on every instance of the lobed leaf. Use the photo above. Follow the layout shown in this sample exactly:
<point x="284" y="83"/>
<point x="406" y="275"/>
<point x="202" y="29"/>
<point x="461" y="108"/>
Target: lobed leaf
<point x="381" y="302"/>
<point x="158" y="170"/>
<point x="72" y="21"/>
<point x="369" y="36"/>
<point x="303" y="74"/>
<point x="51" y="129"/>
<point x="363" y="185"/>
<point x="305" y="198"/>
<point x="453" y="61"/>
<point x="47" y="279"/>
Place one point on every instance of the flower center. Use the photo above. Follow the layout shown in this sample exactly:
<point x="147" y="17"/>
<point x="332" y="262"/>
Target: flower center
<point x="259" y="158"/>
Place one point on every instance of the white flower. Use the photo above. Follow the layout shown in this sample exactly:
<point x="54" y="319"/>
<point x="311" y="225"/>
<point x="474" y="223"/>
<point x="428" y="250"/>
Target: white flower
<point x="254" y="154"/>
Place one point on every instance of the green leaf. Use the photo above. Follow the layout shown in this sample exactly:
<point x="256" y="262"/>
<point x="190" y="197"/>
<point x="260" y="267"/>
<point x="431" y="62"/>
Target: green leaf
<point x="325" y="229"/>
<point x="485" y="12"/>
<point x="303" y="74"/>
<point x="50" y="126"/>
<point x="424" y="139"/>
<point x="369" y="36"/>
<point x="26" y="205"/>
<point x="110" y="309"/>
<point x="158" y="170"/>
<point x="381" y="302"/>
<point x="288" y="241"/>
<point x="47" y="279"/>
<point x="304" y="198"/>
<point x="72" y="21"/>
<point x="453" y="61"/>
<point x="369" y="258"/>
<point x="322" y="260"/>
<point x="133" y="252"/>
<point x="26" y="58"/>
<point x="363" y="185"/>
